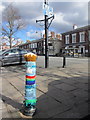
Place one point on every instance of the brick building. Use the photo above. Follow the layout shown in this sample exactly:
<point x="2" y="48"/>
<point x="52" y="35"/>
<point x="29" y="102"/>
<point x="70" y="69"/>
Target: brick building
<point x="4" y="46"/>
<point x="38" y="46"/>
<point x="77" y="41"/>
<point x="53" y="35"/>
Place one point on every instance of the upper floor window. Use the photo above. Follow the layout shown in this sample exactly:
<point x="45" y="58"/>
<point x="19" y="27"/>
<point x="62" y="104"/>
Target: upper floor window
<point x="89" y="35"/>
<point x="82" y="37"/>
<point x="31" y="45"/>
<point x="73" y="38"/>
<point x="35" y="45"/>
<point x="67" y="39"/>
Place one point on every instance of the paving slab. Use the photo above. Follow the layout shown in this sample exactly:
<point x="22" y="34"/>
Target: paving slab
<point x="80" y="93"/>
<point x="48" y="107"/>
<point x="65" y="87"/>
<point x="75" y="112"/>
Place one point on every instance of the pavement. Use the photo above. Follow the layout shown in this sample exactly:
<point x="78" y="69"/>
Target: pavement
<point x="61" y="92"/>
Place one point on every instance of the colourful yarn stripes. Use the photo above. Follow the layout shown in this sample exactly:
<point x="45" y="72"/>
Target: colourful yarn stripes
<point x="31" y="102"/>
<point x="31" y="77"/>
<point x="30" y="82"/>
<point x="27" y="79"/>
<point x="30" y="87"/>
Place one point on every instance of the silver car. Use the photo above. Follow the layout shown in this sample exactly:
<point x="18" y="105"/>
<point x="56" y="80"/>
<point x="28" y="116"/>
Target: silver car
<point x="12" y="56"/>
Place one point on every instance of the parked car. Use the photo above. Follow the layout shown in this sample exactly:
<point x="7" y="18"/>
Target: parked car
<point x="12" y="56"/>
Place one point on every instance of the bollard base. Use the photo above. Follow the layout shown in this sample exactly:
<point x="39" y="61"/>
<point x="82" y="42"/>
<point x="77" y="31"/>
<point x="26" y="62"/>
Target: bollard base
<point x="29" y="111"/>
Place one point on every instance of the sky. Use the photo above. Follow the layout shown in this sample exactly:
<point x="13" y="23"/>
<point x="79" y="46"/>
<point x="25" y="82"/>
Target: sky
<point x="66" y="13"/>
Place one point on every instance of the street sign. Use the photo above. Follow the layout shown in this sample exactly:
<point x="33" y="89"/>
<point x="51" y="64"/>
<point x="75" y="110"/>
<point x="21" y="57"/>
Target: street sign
<point x="47" y="10"/>
<point x="50" y="11"/>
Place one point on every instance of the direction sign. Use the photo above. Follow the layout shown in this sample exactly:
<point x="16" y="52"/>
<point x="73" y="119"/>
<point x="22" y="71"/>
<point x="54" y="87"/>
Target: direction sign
<point x="47" y="10"/>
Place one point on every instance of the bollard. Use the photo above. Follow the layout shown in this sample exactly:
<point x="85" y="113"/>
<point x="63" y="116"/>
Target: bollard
<point x="30" y="85"/>
<point x="64" y="61"/>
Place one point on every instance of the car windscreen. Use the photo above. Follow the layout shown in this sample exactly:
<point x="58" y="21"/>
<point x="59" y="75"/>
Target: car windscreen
<point x="22" y="51"/>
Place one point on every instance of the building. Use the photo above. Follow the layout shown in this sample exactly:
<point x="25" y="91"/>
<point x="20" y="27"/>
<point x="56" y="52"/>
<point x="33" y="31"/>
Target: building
<point x="38" y="46"/>
<point x="53" y="35"/>
<point x="4" y="46"/>
<point x="77" y="41"/>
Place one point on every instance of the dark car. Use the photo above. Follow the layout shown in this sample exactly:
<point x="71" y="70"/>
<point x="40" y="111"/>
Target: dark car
<point x="12" y="56"/>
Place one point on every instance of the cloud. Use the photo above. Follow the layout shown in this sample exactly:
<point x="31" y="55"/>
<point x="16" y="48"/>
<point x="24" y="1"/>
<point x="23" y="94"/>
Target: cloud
<point x="2" y="7"/>
<point x="59" y="18"/>
<point x="49" y="1"/>
<point x="32" y="34"/>
<point x="66" y="14"/>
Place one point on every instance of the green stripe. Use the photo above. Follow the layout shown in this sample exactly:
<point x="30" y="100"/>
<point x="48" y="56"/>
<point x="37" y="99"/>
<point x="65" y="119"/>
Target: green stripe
<point x="30" y="101"/>
<point x="30" y="79"/>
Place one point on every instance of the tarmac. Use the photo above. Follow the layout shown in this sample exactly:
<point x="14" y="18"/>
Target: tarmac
<point x="61" y="92"/>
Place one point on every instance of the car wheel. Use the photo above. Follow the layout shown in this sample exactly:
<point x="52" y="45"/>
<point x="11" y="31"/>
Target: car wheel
<point x="2" y="64"/>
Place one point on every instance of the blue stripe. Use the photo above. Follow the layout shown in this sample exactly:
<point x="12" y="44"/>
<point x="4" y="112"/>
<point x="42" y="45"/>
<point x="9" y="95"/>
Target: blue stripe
<point x="30" y="82"/>
<point x="34" y="66"/>
<point x="31" y="64"/>
<point x="30" y="86"/>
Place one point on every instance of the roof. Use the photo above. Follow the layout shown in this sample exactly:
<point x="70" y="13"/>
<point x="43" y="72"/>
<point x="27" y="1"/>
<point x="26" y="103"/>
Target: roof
<point x="35" y="41"/>
<point x="78" y="29"/>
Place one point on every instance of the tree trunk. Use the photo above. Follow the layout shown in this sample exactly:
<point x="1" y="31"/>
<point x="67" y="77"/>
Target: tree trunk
<point x="10" y="38"/>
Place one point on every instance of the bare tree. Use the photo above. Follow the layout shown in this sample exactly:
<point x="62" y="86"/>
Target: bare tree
<point x="11" y="23"/>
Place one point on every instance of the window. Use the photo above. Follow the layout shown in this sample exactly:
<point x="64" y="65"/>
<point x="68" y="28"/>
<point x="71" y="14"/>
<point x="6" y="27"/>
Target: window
<point x="21" y="51"/>
<point x="89" y="35"/>
<point x="44" y="43"/>
<point x="7" y="53"/>
<point x="49" y="44"/>
<point x="73" y="38"/>
<point x="67" y="39"/>
<point x="82" y="37"/>
<point x="31" y="45"/>
<point x="10" y="52"/>
<point x="35" y="45"/>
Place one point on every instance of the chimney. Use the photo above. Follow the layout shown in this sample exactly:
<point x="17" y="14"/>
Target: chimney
<point x="74" y="26"/>
<point x="58" y="36"/>
<point x="53" y="34"/>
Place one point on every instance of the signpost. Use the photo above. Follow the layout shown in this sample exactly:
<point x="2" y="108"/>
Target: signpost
<point x="48" y="13"/>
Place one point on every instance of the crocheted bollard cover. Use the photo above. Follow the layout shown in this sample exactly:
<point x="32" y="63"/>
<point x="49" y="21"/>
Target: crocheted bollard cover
<point x="30" y="86"/>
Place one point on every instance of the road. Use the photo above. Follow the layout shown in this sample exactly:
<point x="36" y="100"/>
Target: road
<point x="58" y="62"/>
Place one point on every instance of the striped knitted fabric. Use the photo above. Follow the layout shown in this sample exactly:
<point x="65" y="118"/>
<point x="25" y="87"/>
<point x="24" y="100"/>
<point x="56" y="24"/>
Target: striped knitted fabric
<point x="30" y="80"/>
<point x="30" y="87"/>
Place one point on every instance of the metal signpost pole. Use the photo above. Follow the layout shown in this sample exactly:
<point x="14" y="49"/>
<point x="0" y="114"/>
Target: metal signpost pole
<point x="48" y="12"/>
<point x="46" y="42"/>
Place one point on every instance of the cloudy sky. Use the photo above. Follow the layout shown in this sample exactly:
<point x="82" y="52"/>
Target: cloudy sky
<point x="66" y="14"/>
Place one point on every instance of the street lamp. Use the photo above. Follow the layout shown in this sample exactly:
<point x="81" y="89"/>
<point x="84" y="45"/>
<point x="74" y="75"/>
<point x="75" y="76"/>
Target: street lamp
<point x="40" y="33"/>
